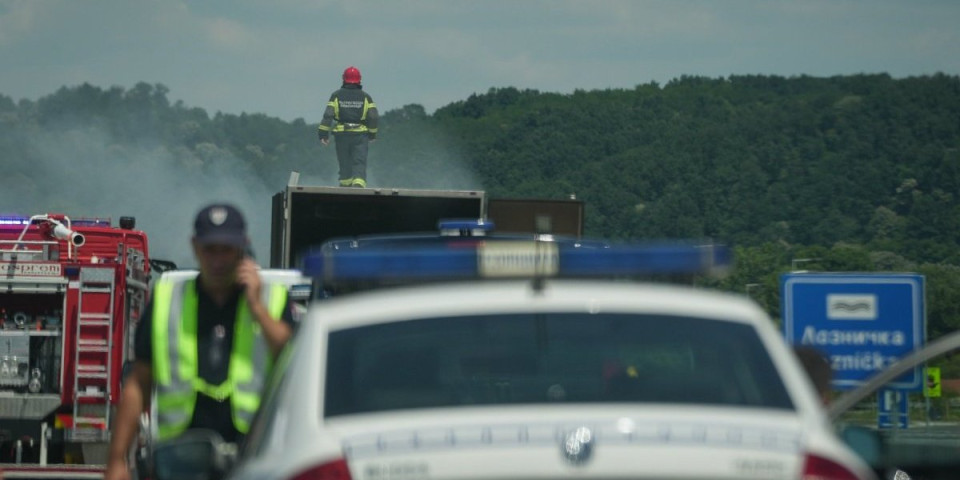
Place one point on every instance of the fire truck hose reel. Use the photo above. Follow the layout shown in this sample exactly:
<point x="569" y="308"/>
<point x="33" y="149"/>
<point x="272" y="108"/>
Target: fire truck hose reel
<point x="20" y="319"/>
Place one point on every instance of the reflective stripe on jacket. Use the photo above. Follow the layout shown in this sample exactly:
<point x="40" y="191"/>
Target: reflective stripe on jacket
<point x="175" y="356"/>
<point x="353" y="111"/>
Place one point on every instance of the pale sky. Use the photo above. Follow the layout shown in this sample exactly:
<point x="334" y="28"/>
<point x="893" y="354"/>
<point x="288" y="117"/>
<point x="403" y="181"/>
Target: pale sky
<point x="284" y="57"/>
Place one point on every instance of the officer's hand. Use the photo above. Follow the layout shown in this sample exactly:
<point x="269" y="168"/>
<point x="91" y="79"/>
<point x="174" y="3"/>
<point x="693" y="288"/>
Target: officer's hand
<point x="248" y="275"/>
<point x="325" y="141"/>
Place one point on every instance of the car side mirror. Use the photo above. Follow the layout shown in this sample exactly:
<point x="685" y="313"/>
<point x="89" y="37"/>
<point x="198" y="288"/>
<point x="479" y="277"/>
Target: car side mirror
<point x="195" y="455"/>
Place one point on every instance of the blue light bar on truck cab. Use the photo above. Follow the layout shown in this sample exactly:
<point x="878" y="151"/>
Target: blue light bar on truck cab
<point x="14" y="220"/>
<point x="513" y="259"/>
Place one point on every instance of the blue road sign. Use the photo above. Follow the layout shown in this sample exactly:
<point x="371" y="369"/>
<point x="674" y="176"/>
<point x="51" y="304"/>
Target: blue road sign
<point x="862" y="322"/>
<point x="893" y="409"/>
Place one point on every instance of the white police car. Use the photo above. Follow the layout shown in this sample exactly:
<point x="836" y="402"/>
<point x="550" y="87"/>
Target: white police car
<point x="539" y="374"/>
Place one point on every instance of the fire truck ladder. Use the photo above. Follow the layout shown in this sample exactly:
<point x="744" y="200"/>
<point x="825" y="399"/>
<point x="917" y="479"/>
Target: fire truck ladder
<point x="93" y="360"/>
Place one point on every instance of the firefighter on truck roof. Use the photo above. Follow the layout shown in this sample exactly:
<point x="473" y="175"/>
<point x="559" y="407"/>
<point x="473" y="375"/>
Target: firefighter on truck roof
<point x="356" y="120"/>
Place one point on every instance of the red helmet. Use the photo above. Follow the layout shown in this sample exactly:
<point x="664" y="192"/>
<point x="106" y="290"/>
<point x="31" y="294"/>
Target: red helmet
<point x="351" y="75"/>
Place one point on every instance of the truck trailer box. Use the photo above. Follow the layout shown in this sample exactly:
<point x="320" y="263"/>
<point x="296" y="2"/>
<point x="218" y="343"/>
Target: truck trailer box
<point x="306" y="216"/>
<point x="537" y="215"/>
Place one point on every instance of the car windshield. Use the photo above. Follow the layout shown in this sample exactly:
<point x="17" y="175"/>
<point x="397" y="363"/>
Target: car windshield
<point x="548" y="358"/>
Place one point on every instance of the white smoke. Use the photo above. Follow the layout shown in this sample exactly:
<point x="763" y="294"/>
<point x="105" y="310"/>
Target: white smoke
<point x="431" y="167"/>
<point x="81" y="171"/>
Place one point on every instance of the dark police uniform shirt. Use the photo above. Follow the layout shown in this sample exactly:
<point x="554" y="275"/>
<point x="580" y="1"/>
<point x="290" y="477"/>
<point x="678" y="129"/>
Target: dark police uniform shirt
<point x="214" y="344"/>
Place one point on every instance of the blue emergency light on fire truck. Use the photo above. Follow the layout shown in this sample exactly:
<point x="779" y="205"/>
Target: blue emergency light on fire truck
<point x="466" y="249"/>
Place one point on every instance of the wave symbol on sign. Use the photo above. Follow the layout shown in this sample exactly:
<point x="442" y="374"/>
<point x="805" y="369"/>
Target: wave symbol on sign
<point x="850" y="307"/>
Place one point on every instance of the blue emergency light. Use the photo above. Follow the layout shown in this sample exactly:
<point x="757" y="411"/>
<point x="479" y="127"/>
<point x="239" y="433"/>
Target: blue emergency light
<point x="14" y="220"/>
<point x="512" y="258"/>
<point x="468" y="226"/>
<point x="92" y="222"/>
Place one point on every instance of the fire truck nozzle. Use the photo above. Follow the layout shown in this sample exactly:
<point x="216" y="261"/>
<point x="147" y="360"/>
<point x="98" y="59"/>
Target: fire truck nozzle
<point x="64" y="233"/>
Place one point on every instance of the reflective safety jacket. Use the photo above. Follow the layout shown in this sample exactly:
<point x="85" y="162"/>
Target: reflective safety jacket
<point x="353" y="111"/>
<point x="175" y="358"/>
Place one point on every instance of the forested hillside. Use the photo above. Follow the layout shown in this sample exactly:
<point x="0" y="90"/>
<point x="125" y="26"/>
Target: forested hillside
<point x="852" y="173"/>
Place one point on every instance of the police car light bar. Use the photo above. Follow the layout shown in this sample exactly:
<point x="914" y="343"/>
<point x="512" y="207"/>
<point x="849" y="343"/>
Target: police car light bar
<point x="513" y="259"/>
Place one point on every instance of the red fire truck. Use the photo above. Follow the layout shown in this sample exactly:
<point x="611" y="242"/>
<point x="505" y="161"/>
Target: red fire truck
<point x="71" y="293"/>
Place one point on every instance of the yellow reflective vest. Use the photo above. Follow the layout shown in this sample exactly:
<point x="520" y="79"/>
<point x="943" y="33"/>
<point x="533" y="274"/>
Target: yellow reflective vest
<point x="175" y="358"/>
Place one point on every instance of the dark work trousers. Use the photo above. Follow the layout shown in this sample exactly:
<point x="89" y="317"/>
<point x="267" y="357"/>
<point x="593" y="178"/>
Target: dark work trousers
<point x="352" y="155"/>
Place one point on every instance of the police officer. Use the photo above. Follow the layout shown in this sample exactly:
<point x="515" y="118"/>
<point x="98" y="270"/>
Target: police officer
<point x="356" y="119"/>
<point x="818" y="368"/>
<point x="205" y="342"/>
